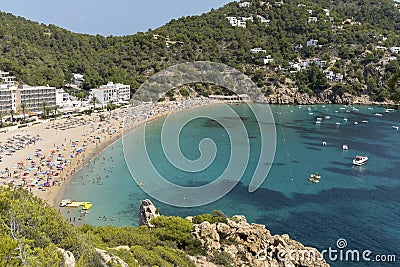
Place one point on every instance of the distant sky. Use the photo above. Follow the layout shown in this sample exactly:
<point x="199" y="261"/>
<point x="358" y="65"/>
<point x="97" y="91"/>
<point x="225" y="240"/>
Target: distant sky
<point x="116" y="17"/>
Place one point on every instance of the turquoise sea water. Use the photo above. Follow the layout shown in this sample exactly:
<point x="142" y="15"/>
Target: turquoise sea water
<point x="359" y="204"/>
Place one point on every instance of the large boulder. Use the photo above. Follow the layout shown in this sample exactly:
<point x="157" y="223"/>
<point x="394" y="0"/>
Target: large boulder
<point x="147" y="211"/>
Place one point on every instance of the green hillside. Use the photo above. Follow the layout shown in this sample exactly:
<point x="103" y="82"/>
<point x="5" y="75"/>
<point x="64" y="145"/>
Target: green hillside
<point x="31" y="234"/>
<point x="347" y="41"/>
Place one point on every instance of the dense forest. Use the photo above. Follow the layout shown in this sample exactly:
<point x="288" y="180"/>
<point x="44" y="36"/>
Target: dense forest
<point x="347" y="39"/>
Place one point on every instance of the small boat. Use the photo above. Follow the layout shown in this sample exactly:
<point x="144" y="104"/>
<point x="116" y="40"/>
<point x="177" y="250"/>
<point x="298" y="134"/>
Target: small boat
<point x="319" y="119"/>
<point x="318" y="122"/>
<point x="64" y="202"/>
<point x="378" y="114"/>
<point x="395" y="127"/>
<point x="315" y="176"/>
<point x="72" y="205"/>
<point x="345" y="119"/>
<point x="364" y="121"/>
<point x="327" y="117"/>
<point x="87" y="206"/>
<point x="360" y="160"/>
<point x="345" y="147"/>
<point x="338" y="123"/>
<point x="355" y="123"/>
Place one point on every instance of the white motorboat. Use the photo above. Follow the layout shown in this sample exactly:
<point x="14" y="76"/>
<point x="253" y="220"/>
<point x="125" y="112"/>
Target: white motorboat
<point x="64" y="202"/>
<point x="360" y="160"/>
<point x="345" y="147"/>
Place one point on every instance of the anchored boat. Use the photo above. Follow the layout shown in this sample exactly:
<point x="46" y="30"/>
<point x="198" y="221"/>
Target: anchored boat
<point x="360" y="160"/>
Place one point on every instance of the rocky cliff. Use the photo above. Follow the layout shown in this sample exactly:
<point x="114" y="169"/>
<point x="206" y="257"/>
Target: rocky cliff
<point x="289" y="96"/>
<point x="147" y="211"/>
<point x="253" y="245"/>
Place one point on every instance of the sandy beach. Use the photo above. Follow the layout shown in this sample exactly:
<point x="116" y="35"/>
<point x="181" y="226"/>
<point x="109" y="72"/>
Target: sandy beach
<point x="42" y="158"/>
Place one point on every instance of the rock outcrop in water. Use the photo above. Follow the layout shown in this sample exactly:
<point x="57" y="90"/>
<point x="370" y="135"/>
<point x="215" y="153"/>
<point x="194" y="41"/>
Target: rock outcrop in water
<point x="147" y="212"/>
<point x="253" y="245"/>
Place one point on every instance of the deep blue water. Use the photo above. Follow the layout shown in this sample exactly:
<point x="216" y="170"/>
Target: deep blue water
<point x="360" y="204"/>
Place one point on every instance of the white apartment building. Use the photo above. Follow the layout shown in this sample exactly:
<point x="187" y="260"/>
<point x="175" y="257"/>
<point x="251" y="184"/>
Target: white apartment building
<point x="117" y="93"/>
<point x="34" y="96"/>
<point x="7" y="92"/>
<point x="11" y="96"/>
<point x="7" y="99"/>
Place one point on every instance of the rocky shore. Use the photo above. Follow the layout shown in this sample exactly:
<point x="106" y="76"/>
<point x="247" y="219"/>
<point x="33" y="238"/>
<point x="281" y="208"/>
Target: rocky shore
<point x="288" y="96"/>
<point x="245" y="244"/>
<point x="251" y="244"/>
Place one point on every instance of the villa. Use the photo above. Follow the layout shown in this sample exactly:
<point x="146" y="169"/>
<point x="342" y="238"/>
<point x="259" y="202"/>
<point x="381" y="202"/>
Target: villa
<point x="395" y="49"/>
<point x="244" y="4"/>
<point x="312" y="42"/>
<point x="312" y="19"/>
<point x="258" y="50"/>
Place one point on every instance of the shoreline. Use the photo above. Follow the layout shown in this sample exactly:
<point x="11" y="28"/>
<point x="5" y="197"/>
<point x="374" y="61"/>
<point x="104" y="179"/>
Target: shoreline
<point x="53" y="195"/>
<point x="59" y="194"/>
<point x="28" y="168"/>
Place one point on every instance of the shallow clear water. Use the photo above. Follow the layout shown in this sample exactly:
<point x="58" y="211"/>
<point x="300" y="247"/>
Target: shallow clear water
<point x="360" y="204"/>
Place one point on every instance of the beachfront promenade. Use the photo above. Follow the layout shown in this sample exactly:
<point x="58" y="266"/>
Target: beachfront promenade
<point x="41" y="158"/>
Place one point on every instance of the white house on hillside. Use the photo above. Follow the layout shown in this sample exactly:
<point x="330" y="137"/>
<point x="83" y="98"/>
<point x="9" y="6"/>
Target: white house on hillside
<point x="395" y="49"/>
<point x="312" y="19"/>
<point x="244" y="4"/>
<point x="312" y="42"/>
<point x="268" y="59"/>
<point x="257" y="50"/>
<point x="262" y="19"/>
<point x="78" y="80"/>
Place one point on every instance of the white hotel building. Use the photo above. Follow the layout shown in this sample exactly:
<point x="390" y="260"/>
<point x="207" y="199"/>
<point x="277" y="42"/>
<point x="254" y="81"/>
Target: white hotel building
<point x="34" y="96"/>
<point x="116" y="93"/>
<point x="11" y="96"/>
<point x="7" y="92"/>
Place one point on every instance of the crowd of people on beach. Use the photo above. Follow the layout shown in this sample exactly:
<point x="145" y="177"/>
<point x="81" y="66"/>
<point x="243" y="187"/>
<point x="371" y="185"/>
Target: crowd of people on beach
<point x="66" y="144"/>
